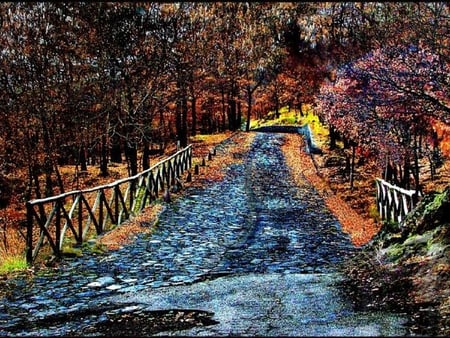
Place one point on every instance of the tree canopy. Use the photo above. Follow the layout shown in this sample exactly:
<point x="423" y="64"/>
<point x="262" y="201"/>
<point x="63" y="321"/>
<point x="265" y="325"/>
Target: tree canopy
<point x="93" y="82"/>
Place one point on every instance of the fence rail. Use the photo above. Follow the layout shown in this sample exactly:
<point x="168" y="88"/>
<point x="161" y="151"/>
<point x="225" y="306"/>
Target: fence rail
<point x="73" y="215"/>
<point x="394" y="203"/>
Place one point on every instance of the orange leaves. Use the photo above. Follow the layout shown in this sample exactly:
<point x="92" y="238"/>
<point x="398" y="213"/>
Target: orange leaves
<point x="214" y="169"/>
<point x="360" y="229"/>
<point x="125" y="233"/>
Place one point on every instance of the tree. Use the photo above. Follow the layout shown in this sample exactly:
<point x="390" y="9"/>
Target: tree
<point x="392" y="94"/>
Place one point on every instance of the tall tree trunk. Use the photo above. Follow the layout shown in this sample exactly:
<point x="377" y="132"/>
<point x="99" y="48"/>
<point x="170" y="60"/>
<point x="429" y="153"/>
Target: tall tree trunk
<point x="130" y="142"/>
<point x="34" y="177"/>
<point x="104" y="157"/>
<point x="231" y="113"/>
<point x="58" y="178"/>
<point x="116" y="151"/>
<point x="181" y="121"/>
<point x="184" y="124"/>
<point x="333" y="137"/>
<point x="416" y="169"/>
<point x="239" y="116"/>
<point x="48" y="168"/>
<point x="406" y="172"/>
<point x="48" y="165"/>
<point x="82" y="158"/>
<point x="249" y="108"/>
<point x="145" y="155"/>
<point x="277" y="106"/>
<point x="131" y="155"/>
<point x="352" y="167"/>
<point x="194" y="116"/>
<point x="223" y="109"/>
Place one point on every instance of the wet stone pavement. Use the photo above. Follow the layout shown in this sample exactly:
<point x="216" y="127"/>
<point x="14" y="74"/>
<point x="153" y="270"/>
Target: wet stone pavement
<point x="255" y="222"/>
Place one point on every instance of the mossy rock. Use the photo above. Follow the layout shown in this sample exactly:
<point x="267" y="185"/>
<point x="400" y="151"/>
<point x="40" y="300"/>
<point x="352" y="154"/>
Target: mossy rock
<point x="429" y="213"/>
<point x="437" y="249"/>
<point x="419" y="239"/>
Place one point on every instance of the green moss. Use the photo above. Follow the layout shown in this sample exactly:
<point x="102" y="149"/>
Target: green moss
<point x="70" y="251"/>
<point x="436" y="249"/>
<point x="13" y="263"/>
<point x="138" y="201"/>
<point x="394" y="252"/>
<point x="98" y="248"/>
<point x="436" y="203"/>
<point x="418" y="240"/>
<point x="373" y="213"/>
<point x="93" y="247"/>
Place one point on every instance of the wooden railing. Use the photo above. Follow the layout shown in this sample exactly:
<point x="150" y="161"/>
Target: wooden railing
<point x="74" y="215"/>
<point x="394" y="203"/>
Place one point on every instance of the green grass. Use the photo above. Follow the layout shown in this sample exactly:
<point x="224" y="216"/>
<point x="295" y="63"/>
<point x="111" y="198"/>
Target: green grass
<point x="13" y="263"/>
<point x="286" y="117"/>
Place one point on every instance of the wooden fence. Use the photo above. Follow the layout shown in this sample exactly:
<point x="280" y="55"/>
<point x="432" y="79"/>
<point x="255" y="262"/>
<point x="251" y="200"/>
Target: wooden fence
<point x="74" y="215"/>
<point x="393" y="203"/>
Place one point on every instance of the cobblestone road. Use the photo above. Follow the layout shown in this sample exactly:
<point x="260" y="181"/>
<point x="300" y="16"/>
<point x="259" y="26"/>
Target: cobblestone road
<point x="254" y="222"/>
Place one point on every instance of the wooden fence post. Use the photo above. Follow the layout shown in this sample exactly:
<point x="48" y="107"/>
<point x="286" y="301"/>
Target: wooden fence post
<point x="394" y="203"/>
<point x="29" y="232"/>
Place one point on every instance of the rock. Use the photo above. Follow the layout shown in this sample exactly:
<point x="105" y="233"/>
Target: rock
<point x="101" y="282"/>
<point x="430" y="212"/>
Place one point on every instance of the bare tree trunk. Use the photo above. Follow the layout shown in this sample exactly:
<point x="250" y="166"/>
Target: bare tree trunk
<point x="184" y="125"/>
<point x="416" y="169"/>
<point x="352" y="167"/>
<point x="333" y="137"/>
<point x="231" y="114"/>
<point x="277" y="106"/>
<point x="104" y="157"/>
<point x="82" y="158"/>
<point x="223" y="109"/>
<point x="116" y="152"/>
<point x="58" y="178"/>
<point x="194" y="116"/>
<point x="239" y="116"/>
<point x="145" y="155"/>
<point x="249" y="108"/>
<point x="405" y="177"/>
<point x="131" y="155"/>
<point x="180" y="121"/>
